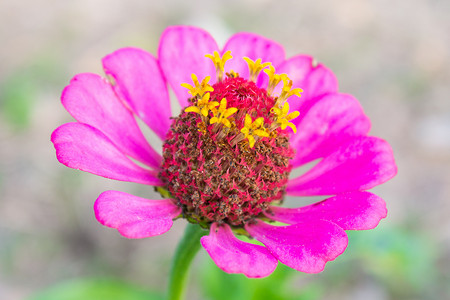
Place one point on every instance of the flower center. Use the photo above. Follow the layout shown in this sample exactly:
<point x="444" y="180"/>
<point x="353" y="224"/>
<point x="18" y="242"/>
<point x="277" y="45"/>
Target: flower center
<point x="226" y="157"/>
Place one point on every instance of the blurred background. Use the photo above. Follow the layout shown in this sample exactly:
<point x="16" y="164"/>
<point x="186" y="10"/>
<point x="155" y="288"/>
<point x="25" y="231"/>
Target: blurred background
<point x="394" y="56"/>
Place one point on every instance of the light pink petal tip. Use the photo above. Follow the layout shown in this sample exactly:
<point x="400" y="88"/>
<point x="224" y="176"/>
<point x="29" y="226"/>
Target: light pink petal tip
<point x="91" y="100"/>
<point x="140" y="83"/>
<point x="351" y="211"/>
<point x="82" y="147"/>
<point x="331" y="121"/>
<point x="253" y="46"/>
<point x="360" y="164"/>
<point x="135" y="217"/>
<point x="235" y="256"/>
<point x="305" y="246"/>
<point x="182" y="52"/>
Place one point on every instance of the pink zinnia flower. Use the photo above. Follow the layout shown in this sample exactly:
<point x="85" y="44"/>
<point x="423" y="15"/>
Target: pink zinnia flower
<point x="227" y="157"/>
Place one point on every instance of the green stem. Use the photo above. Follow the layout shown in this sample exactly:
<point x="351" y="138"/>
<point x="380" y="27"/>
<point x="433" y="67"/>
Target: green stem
<point x="186" y="250"/>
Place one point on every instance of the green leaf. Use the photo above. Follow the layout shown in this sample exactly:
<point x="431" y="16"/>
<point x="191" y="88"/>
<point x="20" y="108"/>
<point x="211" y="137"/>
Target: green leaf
<point x="95" y="289"/>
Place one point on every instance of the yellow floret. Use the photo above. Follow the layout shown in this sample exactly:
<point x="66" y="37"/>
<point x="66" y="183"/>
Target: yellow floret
<point x="252" y="129"/>
<point x="203" y="106"/>
<point x="282" y="117"/>
<point x="219" y="62"/>
<point x="232" y="74"/>
<point x="287" y="91"/>
<point x="222" y="114"/>
<point x="198" y="88"/>
<point x="274" y="79"/>
<point x="255" y="67"/>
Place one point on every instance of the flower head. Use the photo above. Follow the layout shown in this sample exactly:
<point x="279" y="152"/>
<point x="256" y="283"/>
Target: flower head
<point x="227" y="157"/>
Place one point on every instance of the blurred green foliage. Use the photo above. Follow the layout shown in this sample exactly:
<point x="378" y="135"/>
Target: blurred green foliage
<point x="95" y="289"/>
<point x="16" y="95"/>
<point x="218" y="285"/>
<point x="401" y="262"/>
<point x="20" y="90"/>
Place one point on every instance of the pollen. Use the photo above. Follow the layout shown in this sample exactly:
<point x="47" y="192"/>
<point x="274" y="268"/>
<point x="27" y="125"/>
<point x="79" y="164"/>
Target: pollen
<point x="233" y="74"/>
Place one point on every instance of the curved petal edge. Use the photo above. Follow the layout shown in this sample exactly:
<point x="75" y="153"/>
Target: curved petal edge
<point x="83" y="147"/>
<point x="182" y="52"/>
<point x="91" y="100"/>
<point x="139" y="82"/>
<point x="360" y="164"/>
<point x="235" y="256"/>
<point x="135" y="217"/>
<point x="331" y="121"/>
<point x="351" y="211"/>
<point x="305" y="246"/>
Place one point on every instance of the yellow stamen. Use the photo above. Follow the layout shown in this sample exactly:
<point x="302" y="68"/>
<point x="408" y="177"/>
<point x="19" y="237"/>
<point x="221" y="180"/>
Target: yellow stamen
<point x="203" y="106"/>
<point x="219" y="62"/>
<point x="198" y="88"/>
<point x="252" y="129"/>
<point x="287" y="91"/>
<point x="255" y="67"/>
<point x="232" y="74"/>
<point x="274" y="79"/>
<point x="282" y="117"/>
<point x="222" y="114"/>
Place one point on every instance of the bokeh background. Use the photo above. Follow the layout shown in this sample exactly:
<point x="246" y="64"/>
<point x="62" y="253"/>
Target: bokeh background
<point x="394" y="56"/>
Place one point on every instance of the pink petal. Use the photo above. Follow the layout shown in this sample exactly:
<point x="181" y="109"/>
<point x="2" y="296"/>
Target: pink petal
<point x="135" y="217"/>
<point x="331" y="121"/>
<point x="140" y="83"/>
<point x="82" y="147"/>
<point x="351" y="211"/>
<point x="305" y="246"/>
<point x="315" y="80"/>
<point x="182" y="52"/>
<point x="91" y="100"/>
<point x="298" y="68"/>
<point x="357" y="165"/>
<point x="235" y="256"/>
<point x="253" y="46"/>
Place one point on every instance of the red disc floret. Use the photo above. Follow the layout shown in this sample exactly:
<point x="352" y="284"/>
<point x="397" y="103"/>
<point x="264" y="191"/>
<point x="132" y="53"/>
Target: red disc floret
<point x="246" y="96"/>
<point x="216" y="180"/>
